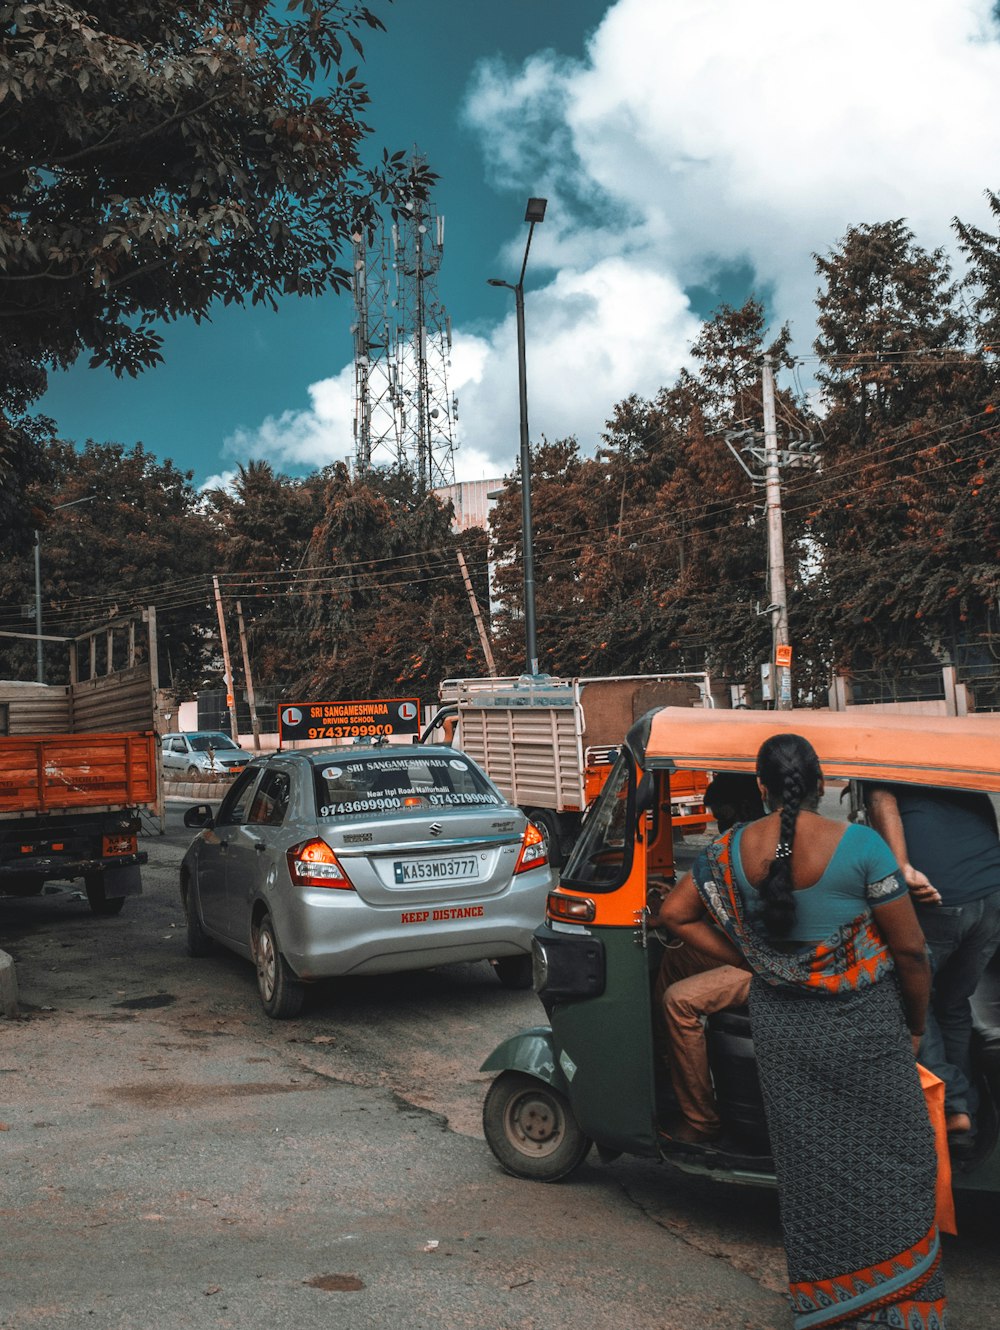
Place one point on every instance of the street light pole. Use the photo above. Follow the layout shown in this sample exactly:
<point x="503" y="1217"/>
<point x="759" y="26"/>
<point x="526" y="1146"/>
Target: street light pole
<point x="39" y="663"/>
<point x="535" y="212"/>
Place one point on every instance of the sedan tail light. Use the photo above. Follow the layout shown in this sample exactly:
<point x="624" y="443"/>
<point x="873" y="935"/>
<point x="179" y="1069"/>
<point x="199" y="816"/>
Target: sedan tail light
<point x="314" y="864"/>
<point x="534" y="851"/>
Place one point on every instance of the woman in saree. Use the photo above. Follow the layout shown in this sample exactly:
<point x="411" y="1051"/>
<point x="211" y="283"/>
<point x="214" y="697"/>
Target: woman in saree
<point x="838" y="1000"/>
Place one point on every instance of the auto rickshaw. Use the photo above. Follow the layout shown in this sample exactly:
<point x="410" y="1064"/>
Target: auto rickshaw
<point x="592" y="1076"/>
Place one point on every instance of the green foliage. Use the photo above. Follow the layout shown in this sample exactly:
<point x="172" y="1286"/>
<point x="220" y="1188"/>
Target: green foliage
<point x="160" y="159"/>
<point x="982" y="250"/>
<point x="907" y="546"/>
<point x="384" y="609"/>
<point x="137" y="535"/>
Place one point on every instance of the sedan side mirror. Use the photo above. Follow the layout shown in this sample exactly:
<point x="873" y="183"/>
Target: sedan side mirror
<point x="199" y="816"/>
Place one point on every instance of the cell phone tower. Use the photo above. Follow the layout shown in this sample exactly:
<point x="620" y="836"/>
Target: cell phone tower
<point x="405" y="415"/>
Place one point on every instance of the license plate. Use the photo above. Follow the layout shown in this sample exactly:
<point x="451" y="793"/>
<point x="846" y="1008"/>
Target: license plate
<point x="435" y="870"/>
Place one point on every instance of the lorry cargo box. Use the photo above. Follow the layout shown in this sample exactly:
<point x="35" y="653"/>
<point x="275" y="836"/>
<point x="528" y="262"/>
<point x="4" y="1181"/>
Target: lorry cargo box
<point x="59" y="772"/>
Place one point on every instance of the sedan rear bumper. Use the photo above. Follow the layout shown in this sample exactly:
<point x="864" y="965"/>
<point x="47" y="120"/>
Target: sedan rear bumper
<point x="329" y="932"/>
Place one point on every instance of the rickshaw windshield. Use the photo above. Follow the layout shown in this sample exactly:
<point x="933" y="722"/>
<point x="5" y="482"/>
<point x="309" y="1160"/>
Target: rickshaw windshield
<point x="602" y="857"/>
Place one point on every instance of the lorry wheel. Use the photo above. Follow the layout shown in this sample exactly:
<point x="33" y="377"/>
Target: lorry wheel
<point x="281" y="993"/>
<point x="99" y="902"/>
<point x="514" y="971"/>
<point x="548" y="824"/>
<point x="531" y="1129"/>
<point x="198" y="941"/>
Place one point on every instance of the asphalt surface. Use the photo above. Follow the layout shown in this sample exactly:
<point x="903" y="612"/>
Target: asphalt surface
<point x="171" y="1158"/>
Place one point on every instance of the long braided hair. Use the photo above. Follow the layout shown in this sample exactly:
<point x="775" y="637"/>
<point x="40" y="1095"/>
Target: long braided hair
<point x="788" y="768"/>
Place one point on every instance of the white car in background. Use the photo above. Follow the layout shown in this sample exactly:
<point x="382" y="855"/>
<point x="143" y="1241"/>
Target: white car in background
<point x="198" y="753"/>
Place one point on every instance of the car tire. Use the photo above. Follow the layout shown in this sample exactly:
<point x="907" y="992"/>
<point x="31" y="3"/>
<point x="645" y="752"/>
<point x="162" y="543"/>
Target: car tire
<point x="514" y="971"/>
<point x="531" y="1129"/>
<point x="198" y="941"/>
<point x="281" y="993"/>
<point x="193" y="773"/>
<point x="99" y="902"/>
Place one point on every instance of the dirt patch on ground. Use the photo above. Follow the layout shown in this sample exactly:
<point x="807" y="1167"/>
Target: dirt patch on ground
<point x="159" y="1096"/>
<point x="335" y="1283"/>
<point x="149" y="1003"/>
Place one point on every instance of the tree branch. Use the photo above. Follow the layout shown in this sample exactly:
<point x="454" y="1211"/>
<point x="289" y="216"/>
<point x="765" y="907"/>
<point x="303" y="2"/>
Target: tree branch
<point x="113" y="145"/>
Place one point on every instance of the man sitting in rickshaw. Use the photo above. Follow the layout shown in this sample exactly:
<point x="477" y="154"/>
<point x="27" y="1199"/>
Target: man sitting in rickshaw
<point x="691" y="986"/>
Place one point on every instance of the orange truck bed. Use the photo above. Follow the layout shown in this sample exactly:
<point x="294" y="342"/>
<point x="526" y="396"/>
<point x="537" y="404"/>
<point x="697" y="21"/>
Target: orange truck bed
<point x="51" y="773"/>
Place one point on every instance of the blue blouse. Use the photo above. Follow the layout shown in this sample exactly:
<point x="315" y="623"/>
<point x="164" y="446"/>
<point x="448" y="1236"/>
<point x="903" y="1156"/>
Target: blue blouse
<point x="862" y="872"/>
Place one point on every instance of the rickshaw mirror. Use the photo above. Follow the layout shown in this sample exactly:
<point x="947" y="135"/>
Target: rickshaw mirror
<point x="644" y="794"/>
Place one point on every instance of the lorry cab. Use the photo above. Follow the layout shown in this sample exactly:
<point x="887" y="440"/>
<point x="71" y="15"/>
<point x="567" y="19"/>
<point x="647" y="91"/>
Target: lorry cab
<point x="592" y="1076"/>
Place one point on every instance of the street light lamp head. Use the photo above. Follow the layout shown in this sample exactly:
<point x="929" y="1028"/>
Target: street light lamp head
<point x="535" y="211"/>
<point x="495" y="281"/>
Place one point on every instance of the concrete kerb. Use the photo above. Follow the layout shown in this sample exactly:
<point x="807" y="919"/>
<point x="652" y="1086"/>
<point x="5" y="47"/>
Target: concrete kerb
<point x="194" y="791"/>
<point x="8" y="986"/>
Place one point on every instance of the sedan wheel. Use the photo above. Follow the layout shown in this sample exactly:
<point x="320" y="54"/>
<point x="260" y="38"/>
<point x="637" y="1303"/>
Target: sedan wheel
<point x="281" y="993"/>
<point x="198" y="941"/>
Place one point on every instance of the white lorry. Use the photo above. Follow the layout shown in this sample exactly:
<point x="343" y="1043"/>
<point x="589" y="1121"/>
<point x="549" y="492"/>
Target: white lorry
<point x="548" y="743"/>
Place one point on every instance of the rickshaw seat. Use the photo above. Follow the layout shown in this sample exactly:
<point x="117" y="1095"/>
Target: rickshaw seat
<point x="732" y="1020"/>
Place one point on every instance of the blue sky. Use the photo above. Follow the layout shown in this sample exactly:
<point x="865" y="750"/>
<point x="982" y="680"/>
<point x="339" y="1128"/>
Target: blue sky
<point x="688" y="151"/>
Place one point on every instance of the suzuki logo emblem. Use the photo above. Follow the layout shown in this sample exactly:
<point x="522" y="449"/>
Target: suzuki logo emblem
<point x="436" y="828"/>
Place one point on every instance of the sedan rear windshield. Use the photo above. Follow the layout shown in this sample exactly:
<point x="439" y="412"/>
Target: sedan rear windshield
<point x="348" y="787"/>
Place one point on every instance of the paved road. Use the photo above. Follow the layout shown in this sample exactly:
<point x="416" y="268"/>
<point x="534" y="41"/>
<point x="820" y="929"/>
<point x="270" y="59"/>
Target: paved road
<point x="174" y="1159"/>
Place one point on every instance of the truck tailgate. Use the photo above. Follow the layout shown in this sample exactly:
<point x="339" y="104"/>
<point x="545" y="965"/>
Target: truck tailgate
<point x="532" y="754"/>
<point x="49" y="773"/>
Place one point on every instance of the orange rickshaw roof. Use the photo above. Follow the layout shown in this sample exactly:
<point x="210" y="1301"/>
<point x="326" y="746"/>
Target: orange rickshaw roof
<point x="959" y="752"/>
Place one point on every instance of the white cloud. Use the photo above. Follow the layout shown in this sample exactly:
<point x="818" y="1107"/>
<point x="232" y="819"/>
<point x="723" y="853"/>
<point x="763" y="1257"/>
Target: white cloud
<point x="693" y="137"/>
<point x="305" y="440"/>
<point x="593" y="335"/>
<point x="728" y="132"/>
<point x="222" y="480"/>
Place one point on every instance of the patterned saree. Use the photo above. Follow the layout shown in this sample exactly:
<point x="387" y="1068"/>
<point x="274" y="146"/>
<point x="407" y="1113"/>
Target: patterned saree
<point x="852" y="1142"/>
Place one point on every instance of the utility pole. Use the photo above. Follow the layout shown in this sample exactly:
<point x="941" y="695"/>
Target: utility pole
<point x="234" y="726"/>
<point x="481" y="627"/>
<point x="251" y="696"/>
<point x="780" y="647"/>
<point x="39" y="659"/>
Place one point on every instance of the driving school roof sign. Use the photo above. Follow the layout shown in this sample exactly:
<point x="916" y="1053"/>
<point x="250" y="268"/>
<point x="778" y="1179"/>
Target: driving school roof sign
<point x="366" y="719"/>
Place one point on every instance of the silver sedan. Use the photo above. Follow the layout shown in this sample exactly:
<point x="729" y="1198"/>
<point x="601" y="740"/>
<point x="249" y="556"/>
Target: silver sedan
<point x="364" y="861"/>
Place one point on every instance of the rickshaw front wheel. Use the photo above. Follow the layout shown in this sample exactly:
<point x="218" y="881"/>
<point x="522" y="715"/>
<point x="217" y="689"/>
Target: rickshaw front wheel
<point x="531" y="1129"/>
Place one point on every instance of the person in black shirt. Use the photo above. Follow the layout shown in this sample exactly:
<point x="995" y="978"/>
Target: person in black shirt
<point x="947" y="844"/>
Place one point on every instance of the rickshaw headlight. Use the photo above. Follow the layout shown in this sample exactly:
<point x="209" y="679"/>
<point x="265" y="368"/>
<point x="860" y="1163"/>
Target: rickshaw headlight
<point x="570" y="909"/>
